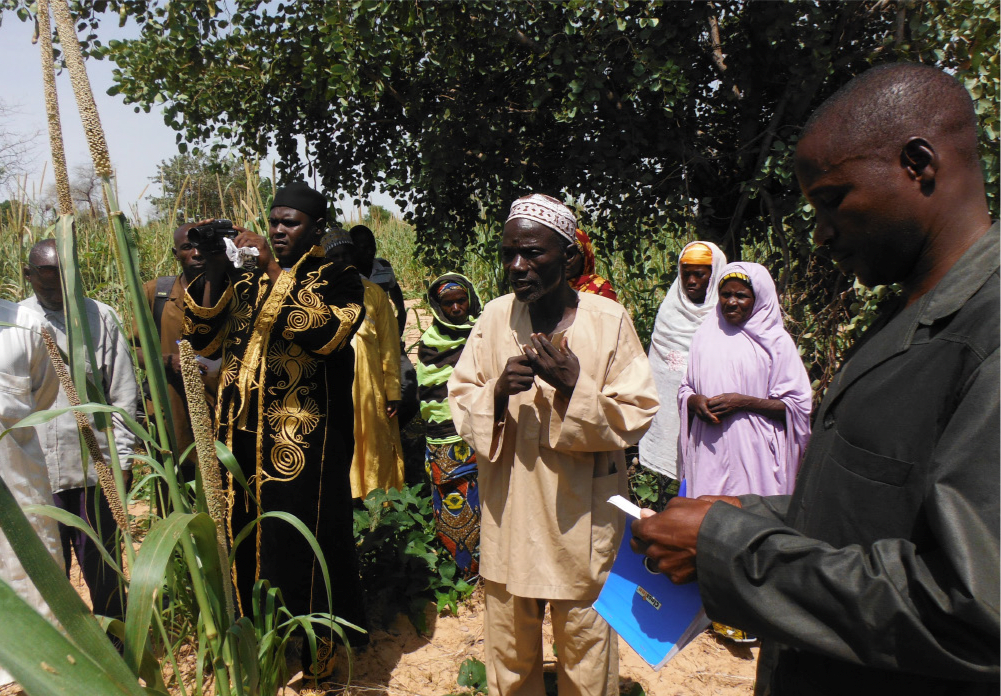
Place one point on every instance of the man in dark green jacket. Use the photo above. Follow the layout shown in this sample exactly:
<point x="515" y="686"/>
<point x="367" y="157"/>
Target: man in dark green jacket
<point x="880" y="574"/>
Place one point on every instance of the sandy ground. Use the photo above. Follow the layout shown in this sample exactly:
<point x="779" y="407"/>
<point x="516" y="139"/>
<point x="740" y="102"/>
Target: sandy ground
<point x="418" y="319"/>
<point x="401" y="662"/>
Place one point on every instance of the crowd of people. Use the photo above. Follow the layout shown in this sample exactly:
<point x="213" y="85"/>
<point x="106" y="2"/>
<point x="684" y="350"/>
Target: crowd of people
<point x="863" y="550"/>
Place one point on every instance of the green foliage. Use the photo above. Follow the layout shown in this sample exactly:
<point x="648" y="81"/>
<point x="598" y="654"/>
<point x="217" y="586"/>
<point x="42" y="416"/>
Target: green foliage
<point x="624" y="104"/>
<point x="649" y="489"/>
<point x="402" y="565"/>
<point x="472" y="676"/>
<point x="660" y="121"/>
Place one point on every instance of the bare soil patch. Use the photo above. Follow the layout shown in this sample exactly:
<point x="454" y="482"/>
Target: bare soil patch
<point x="402" y="662"/>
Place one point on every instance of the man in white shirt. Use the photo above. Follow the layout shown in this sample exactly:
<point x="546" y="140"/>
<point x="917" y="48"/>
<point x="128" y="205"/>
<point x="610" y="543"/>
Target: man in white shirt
<point x="27" y="384"/>
<point x="74" y="480"/>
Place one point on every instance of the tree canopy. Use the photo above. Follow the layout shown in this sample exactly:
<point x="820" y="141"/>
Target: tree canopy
<point x="651" y="116"/>
<point x="648" y="113"/>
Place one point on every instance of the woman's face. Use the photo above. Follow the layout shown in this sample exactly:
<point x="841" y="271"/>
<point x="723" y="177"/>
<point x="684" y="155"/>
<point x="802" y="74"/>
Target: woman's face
<point x="454" y="304"/>
<point x="736" y="300"/>
<point x="695" y="281"/>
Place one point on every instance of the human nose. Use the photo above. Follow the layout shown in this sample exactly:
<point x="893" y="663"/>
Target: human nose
<point x="518" y="264"/>
<point x="823" y="232"/>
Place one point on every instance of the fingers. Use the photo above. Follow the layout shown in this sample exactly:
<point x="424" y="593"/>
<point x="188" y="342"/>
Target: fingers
<point x="519" y="364"/>
<point x="534" y="350"/>
<point x="517" y="377"/>
<point x="707" y="415"/>
<point x="646" y="512"/>
<point x="729" y="499"/>
<point x="247" y="238"/>
<point x="679" y="566"/>
<point x="638" y="545"/>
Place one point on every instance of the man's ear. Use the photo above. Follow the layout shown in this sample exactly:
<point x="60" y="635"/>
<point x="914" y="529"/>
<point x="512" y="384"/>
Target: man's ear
<point x="572" y="254"/>
<point x="921" y="161"/>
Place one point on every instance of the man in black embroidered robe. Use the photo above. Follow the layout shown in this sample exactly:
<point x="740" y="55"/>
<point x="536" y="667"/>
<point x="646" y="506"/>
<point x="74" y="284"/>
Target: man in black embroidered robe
<point x="283" y="330"/>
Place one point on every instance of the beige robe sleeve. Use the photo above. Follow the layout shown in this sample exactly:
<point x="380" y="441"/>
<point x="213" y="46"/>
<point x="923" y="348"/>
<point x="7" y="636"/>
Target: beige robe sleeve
<point x="471" y="396"/>
<point x="606" y="412"/>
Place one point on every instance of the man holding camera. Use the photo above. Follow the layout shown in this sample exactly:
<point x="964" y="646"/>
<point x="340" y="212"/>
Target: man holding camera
<point x="283" y="331"/>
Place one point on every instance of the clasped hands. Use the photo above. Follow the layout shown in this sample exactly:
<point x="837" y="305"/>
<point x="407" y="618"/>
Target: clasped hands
<point x="558" y="367"/>
<point x="713" y="408"/>
<point x="670" y="537"/>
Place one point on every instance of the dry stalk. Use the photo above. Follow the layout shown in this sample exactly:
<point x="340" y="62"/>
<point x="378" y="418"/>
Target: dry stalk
<point x="208" y="463"/>
<point x="81" y="88"/>
<point x="104" y="476"/>
<point x="52" y="111"/>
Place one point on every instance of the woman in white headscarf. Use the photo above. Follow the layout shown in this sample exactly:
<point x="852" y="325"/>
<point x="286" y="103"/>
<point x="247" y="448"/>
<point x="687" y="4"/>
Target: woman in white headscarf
<point x="690" y="300"/>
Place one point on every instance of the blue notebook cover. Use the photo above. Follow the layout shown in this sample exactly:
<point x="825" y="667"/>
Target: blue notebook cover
<point x="656" y="617"/>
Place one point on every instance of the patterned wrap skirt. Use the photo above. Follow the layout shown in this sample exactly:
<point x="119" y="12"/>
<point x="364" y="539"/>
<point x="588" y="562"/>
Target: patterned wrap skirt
<point x="451" y="468"/>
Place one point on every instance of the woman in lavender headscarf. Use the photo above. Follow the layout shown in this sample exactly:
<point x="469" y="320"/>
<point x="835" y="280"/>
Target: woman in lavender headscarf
<point x="745" y="401"/>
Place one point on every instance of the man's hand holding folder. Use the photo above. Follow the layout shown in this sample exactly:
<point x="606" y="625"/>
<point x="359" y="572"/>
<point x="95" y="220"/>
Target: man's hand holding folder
<point x="670" y="537"/>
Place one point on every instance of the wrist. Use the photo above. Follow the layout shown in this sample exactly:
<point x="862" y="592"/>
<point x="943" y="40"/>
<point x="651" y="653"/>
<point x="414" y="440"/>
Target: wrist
<point x="566" y="391"/>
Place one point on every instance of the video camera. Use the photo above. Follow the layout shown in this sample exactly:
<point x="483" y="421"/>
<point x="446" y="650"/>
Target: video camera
<point x="209" y="237"/>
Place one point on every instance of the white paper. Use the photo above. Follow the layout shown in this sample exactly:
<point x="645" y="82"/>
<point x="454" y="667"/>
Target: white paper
<point x="625" y="505"/>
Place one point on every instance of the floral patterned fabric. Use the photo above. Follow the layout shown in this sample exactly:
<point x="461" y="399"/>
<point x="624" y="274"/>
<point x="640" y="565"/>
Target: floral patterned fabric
<point x="588" y="280"/>
<point x="451" y="467"/>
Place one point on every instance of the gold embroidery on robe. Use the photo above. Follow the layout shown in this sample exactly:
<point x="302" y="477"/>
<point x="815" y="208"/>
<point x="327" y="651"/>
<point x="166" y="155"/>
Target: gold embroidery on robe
<point x="348" y="316"/>
<point x="294" y="415"/>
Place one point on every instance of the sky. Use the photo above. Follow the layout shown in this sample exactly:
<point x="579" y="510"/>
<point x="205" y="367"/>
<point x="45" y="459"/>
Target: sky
<point x="138" y="142"/>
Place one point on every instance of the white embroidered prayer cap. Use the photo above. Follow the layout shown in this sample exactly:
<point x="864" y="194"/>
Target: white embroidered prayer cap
<point x="547" y="211"/>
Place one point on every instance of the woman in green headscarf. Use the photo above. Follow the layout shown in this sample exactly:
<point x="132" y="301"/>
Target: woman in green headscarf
<point x="449" y="461"/>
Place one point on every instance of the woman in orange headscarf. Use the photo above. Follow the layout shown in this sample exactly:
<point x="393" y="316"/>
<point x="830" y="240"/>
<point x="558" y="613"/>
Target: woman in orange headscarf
<point x="581" y="275"/>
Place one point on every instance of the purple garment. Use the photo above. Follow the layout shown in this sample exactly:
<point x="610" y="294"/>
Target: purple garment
<point x="746" y="452"/>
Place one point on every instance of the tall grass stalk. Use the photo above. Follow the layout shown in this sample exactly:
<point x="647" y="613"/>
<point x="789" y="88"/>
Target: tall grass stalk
<point x="182" y="568"/>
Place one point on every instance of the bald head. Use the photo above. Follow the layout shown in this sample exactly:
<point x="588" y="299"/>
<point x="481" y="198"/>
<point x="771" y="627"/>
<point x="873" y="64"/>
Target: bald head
<point x="889" y="164"/>
<point x="885" y="106"/>
<point x="42" y="273"/>
<point x="181" y="234"/>
<point x="44" y="253"/>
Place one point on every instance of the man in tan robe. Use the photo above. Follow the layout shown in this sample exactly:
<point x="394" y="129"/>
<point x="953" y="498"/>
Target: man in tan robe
<point x="550" y="389"/>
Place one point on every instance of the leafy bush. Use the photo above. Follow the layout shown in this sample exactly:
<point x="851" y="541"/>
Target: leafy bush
<point x="402" y="567"/>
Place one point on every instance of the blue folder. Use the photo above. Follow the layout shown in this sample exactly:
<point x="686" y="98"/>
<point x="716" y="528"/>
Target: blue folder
<point x="656" y="617"/>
